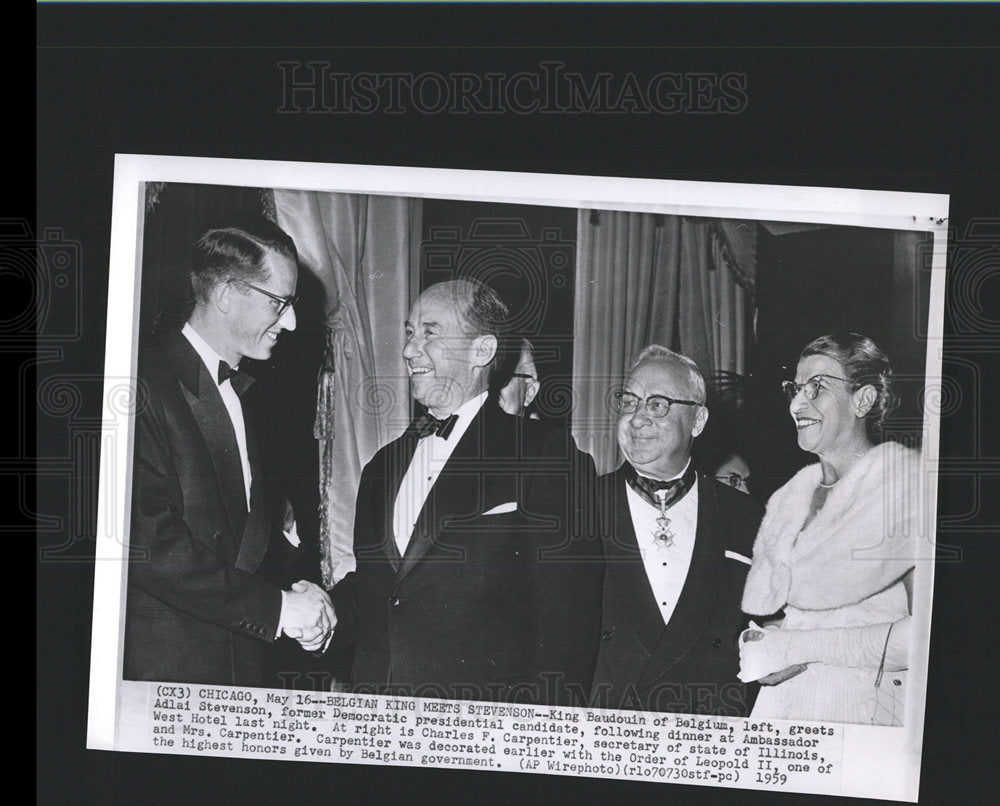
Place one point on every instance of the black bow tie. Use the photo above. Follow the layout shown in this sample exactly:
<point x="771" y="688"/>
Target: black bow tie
<point x="648" y="488"/>
<point x="428" y="424"/>
<point x="240" y="380"/>
<point x="225" y="372"/>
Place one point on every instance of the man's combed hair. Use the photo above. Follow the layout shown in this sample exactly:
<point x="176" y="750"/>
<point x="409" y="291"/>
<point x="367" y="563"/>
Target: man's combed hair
<point x="486" y="313"/>
<point x="697" y="380"/>
<point x="230" y="253"/>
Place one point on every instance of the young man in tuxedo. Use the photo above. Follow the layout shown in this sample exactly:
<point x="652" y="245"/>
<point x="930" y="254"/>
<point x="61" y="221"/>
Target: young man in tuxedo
<point x="475" y="578"/>
<point x="677" y="547"/>
<point x="203" y="510"/>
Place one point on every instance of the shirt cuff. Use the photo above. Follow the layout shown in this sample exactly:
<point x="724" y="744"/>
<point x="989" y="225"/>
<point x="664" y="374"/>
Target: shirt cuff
<point x="292" y="535"/>
<point x="281" y="616"/>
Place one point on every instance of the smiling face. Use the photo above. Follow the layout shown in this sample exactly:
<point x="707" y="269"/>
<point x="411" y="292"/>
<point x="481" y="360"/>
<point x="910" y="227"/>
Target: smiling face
<point x="251" y="319"/>
<point x="828" y="424"/>
<point x="659" y="447"/>
<point x="447" y="366"/>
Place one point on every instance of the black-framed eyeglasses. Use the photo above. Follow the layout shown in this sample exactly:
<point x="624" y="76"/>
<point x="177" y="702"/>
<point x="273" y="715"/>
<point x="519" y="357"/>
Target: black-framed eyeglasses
<point x="809" y="389"/>
<point x="656" y="405"/>
<point x="284" y="303"/>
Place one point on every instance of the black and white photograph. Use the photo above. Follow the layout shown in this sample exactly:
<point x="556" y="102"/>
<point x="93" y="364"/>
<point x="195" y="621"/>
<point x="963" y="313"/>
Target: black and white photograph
<point x="546" y="402"/>
<point x="568" y="521"/>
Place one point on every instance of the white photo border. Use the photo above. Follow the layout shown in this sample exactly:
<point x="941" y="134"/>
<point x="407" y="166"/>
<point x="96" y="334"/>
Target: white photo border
<point x="846" y="207"/>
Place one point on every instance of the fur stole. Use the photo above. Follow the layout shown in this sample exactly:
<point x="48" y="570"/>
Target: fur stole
<point x="870" y="531"/>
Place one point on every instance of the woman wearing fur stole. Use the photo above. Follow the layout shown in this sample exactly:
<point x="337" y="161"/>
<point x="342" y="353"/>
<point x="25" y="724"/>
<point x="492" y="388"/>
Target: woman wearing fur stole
<point x="837" y="550"/>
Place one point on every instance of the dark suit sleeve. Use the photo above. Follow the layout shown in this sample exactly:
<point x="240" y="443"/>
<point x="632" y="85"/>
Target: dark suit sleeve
<point x="345" y="593"/>
<point x="284" y="563"/>
<point x="745" y="513"/>
<point x="566" y="571"/>
<point x="187" y="567"/>
<point x="286" y="489"/>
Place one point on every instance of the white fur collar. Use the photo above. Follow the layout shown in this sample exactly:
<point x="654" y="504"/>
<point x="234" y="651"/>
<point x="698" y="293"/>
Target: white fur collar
<point x="869" y="532"/>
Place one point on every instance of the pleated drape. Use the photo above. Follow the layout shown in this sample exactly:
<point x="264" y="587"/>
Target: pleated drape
<point x="361" y="249"/>
<point x="644" y="278"/>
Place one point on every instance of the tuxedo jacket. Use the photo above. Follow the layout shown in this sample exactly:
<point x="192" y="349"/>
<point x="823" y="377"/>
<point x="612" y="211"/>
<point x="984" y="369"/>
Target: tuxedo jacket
<point x="688" y="665"/>
<point x="197" y="609"/>
<point x="497" y="596"/>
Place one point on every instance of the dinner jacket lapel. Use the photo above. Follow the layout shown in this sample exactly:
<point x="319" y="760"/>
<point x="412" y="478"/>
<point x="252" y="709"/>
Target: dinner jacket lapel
<point x="447" y="497"/>
<point x="627" y="578"/>
<point x="257" y="529"/>
<point x="396" y="459"/>
<point x="202" y="395"/>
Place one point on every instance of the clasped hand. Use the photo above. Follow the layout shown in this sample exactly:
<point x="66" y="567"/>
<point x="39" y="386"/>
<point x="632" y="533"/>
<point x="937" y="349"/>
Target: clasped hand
<point x="766" y="655"/>
<point x="308" y="616"/>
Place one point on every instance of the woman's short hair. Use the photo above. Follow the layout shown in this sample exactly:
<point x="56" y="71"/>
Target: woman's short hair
<point x="236" y="252"/>
<point x="865" y="364"/>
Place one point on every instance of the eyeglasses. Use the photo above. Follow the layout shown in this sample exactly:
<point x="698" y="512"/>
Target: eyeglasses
<point x="284" y="303"/>
<point x="656" y="405"/>
<point x="809" y="389"/>
<point x="734" y="480"/>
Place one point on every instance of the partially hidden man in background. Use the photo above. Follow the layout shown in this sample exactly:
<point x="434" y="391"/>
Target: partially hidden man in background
<point x="203" y="510"/>
<point x="519" y="393"/>
<point x="470" y="582"/>
<point x="677" y="548"/>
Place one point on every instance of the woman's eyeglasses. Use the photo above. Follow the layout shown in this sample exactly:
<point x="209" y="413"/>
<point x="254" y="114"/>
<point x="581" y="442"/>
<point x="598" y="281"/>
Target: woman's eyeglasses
<point x="809" y="389"/>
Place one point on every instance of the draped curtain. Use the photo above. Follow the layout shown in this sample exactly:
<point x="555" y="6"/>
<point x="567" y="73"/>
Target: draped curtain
<point x="361" y="248"/>
<point x="645" y="278"/>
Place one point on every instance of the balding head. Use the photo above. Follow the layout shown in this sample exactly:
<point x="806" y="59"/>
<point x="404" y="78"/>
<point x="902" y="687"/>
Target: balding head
<point x="695" y="379"/>
<point x="452" y="339"/>
<point x="655" y="443"/>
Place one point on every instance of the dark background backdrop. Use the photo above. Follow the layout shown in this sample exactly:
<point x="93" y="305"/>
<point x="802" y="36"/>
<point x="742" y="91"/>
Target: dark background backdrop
<point x="877" y="97"/>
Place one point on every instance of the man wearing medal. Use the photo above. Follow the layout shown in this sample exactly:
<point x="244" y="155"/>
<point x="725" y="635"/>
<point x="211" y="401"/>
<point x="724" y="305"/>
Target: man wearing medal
<point x="677" y="548"/>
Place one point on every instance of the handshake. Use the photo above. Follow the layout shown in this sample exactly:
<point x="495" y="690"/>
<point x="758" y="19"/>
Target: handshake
<point x="307" y="616"/>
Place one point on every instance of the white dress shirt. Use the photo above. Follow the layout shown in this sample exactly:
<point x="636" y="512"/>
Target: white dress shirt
<point x="230" y="399"/>
<point x="666" y="566"/>
<point x="429" y="459"/>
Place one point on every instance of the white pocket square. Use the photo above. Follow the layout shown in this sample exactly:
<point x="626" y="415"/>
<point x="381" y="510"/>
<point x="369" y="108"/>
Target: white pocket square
<point x="510" y="506"/>
<point x="732" y="555"/>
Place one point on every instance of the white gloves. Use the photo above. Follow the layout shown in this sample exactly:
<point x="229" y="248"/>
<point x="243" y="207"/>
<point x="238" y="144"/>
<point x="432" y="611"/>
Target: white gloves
<point x="766" y="651"/>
